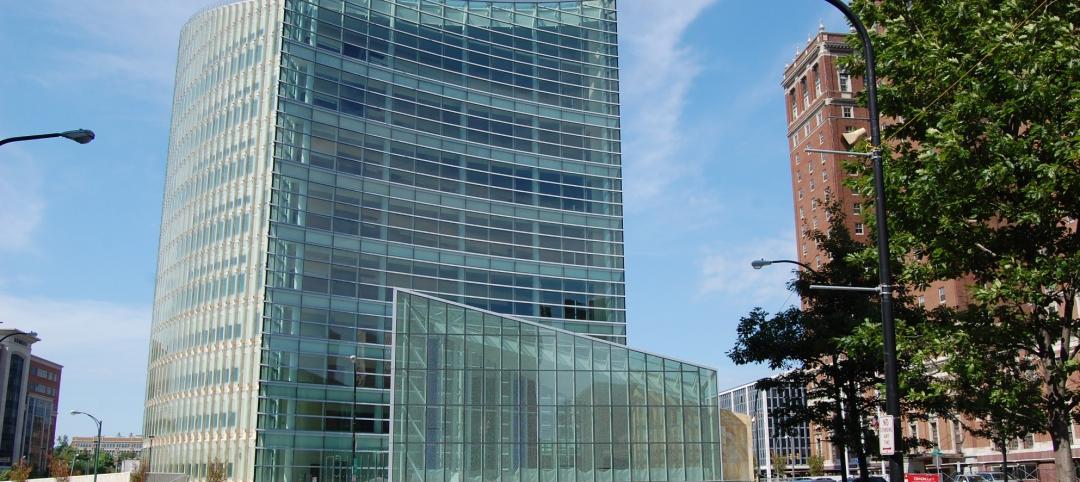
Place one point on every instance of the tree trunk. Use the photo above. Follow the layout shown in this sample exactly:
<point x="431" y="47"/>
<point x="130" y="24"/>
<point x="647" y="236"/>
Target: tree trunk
<point x="854" y="431"/>
<point x="1005" y="462"/>
<point x="839" y="431"/>
<point x="1059" y="434"/>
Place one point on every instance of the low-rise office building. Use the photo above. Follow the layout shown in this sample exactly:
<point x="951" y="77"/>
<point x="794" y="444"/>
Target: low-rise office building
<point x="772" y="439"/>
<point x="111" y="445"/>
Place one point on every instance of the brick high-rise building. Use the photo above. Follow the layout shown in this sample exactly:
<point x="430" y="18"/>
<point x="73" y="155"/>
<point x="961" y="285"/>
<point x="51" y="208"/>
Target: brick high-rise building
<point x="821" y="101"/>
<point x="42" y="403"/>
<point x="821" y="104"/>
<point x="821" y="107"/>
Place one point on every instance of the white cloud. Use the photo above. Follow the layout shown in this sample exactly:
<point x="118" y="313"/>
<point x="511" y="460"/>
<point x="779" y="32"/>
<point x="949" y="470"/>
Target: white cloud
<point x="658" y="72"/>
<point x="133" y="40"/>
<point x="103" y="349"/>
<point x="728" y="272"/>
<point x="22" y="206"/>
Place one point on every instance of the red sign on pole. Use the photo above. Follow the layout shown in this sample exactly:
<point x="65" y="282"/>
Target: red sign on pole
<point x="922" y="477"/>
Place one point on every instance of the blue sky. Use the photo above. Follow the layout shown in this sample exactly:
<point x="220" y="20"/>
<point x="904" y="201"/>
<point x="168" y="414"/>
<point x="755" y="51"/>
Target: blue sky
<point x="706" y="179"/>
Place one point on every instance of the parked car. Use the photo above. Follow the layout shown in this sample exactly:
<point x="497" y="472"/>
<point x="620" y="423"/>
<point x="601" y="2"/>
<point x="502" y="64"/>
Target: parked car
<point x="968" y="478"/>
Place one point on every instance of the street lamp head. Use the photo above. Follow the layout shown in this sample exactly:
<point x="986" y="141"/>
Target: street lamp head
<point x="82" y="136"/>
<point x="760" y="263"/>
<point x="75" y="412"/>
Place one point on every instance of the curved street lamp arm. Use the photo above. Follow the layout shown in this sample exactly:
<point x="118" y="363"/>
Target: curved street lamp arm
<point x="82" y="136"/>
<point x="28" y="138"/>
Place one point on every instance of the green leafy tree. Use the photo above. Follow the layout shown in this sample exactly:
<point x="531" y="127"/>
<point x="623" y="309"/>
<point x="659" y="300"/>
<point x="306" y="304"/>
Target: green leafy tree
<point x="20" y="471"/>
<point x="215" y="471"/>
<point x="780" y="464"/>
<point x="832" y="346"/>
<point x="982" y="177"/>
<point x="59" y="469"/>
<point x="998" y="392"/>
<point x="816" y="463"/>
<point x="141" y="474"/>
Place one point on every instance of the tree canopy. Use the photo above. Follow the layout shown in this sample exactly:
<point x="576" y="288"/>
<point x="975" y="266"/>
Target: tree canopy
<point x="983" y="177"/>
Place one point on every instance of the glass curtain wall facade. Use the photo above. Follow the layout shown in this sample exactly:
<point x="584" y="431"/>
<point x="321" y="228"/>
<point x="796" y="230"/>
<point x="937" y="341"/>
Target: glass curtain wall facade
<point x="202" y="374"/>
<point x="464" y="149"/>
<point x="325" y="152"/>
<point x="479" y="396"/>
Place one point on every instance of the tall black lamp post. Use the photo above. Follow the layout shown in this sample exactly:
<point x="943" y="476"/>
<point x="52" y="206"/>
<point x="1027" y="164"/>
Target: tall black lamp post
<point x="352" y="426"/>
<point x="885" y="287"/>
<point x="150" y="456"/>
<point x="97" y="443"/>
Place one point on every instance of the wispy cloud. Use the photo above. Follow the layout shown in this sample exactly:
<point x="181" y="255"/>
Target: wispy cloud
<point x="102" y="347"/>
<point x="23" y="206"/>
<point x="133" y="40"/>
<point x="657" y="75"/>
<point x="728" y="272"/>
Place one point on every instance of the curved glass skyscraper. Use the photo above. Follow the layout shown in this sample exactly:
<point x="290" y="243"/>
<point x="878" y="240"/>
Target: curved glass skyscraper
<point x="325" y="154"/>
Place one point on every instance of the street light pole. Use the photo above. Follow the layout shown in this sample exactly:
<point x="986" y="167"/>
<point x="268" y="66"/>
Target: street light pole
<point x="97" y="443"/>
<point x="352" y="424"/>
<point x="892" y="396"/>
<point x="82" y="136"/>
<point x="150" y="456"/>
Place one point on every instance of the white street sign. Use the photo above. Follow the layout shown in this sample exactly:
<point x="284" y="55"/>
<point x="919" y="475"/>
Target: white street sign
<point x="886" y="435"/>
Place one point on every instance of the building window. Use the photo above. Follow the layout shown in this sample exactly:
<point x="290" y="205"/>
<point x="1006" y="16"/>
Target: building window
<point x="859" y="230"/>
<point x="817" y="262"/>
<point x="794" y="105"/>
<point x="820" y="118"/>
<point x="811" y="184"/>
<point x="798" y="176"/>
<point x="796" y="159"/>
<point x="800" y="194"/>
<point x="810" y="167"/>
<point x="813" y="203"/>
<point x="941" y="294"/>
<point x="795" y="139"/>
<point x="935" y="438"/>
<point x="957" y="436"/>
<point x="821" y="138"/>
<point x="804" y="249"/>
<point x="825" y="175"/>
<point x="922" y="300"/>
<point x="814" y="224"/>
<point x="806" y="129"/>
<point x="856" y="209"/>
<point x="847" y="111"/>
<point x="802" y="213"/>
<point x="845" y="82"/>
<point x="805" y="94"/>
<point x="817" y="91"/>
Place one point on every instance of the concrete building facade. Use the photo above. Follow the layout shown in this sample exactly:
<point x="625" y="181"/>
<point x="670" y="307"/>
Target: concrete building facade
<point x="14" y="378"/>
